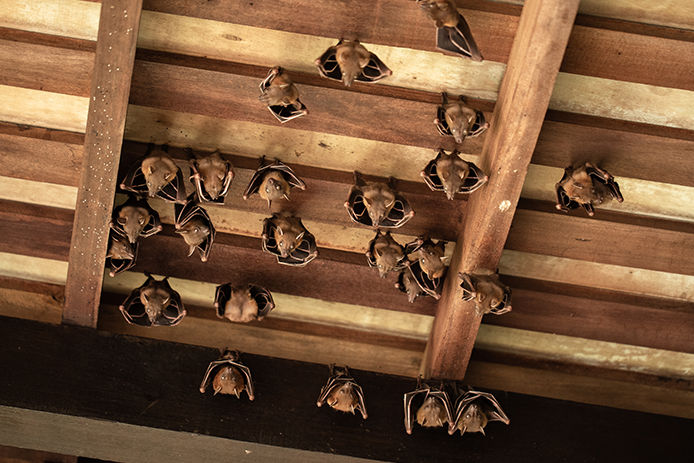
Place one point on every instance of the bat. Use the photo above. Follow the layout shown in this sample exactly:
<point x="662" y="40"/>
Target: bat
<point x="408" y="285"/>
<point x="155" y="303"/>
<point x="452" y="31"/>
<point x="281" y="96"/>
<point x="376" y="204"/>
<point x="449" y="173"/>
<point x="348" y="61"/>
<point x="458" y="120"/>
<point x="427" y="265"/>
<point x="211" y="175"/>
<point x="156" y="175"/>
<point x="286" y="237"/>
<point x="488" y="292"/>
<point x="135" y="218"/>
<point x="244" y="305"/>
<point x="342" y="392"/>
<point x="586" y="185"/>
<point x="195" y="226"/>
<point x="228" y="376"/>
<point x="385" y="254"/>
<point x="121" y="254"/>
<point x="433" y="411"/>
<point x="273" y="181"/>
<point x="473" y="410"/>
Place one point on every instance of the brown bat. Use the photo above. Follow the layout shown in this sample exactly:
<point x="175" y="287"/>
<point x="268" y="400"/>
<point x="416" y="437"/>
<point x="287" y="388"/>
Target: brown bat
<point x="135" y="218"/>
<point x="474" y="410"/>
<point x="449" y="173"/>
<point x="385" y="254"/>
<point x="211" y="175"/>
<point x="121" y="253"/>
<point x="376" y="204"/>
<point x="195" y="226"/>
<point x="586" y="185"/>
<point x="273" y="182"/>
<point x="342" y="392"/>
<point x="243" y="304"/>
<point x="434" y="410"/>
<point x="228" y="376"/>
<point x="489" y="293"/>
<point x="281" y="96"/>
<point x="156" y="175"/>
<point x="453" y="33"/>
<point x="155" y="303"/>
<point x="427" y="265"/>
<point x="408" y="285"/>
<point x="286" y="237"/>
<point x="348" y="61"/>
<point x="458" y="120"/>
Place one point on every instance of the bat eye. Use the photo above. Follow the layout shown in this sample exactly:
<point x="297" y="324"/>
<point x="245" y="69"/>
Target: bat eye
<point x="149" y="183"/>
<point x="277" y="186"/>
<point x="197" y="229"/>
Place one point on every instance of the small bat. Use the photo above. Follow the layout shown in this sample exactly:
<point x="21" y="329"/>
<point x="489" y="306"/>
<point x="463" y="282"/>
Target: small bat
<point x="427" y="265"/>
<point x="474" y="410"/>
<point x="286" y="237"/>
<point x="273" y="182"/>
<point x="377" y="204"/>
<point x="452" y="31"/>
<point x="136" y="218"/>
<point x="488" y="292"/>
<point x="121" y="254"/>
<point x="281" y="96"/>
<point x="586" y="185"/>
<point x="243" y="305"/>
<point x="385" y="254"/>
<point x="156" y="175"/>
<point x="211" y="175"/>
<point x="434" y="410"/>
<point x="342" y="392"/>
<point x="458" y="120"/>
<point x="155" y="303"/>
<point x="449" y="173"/>
<point x="349" y="61"/>
<point x="408" y="285"/>
<point x="195" y="226"/>
<point x="228" y="376"/>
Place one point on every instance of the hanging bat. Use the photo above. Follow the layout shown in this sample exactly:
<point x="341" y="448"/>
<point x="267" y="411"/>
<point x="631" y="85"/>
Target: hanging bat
<point x="489" y="293"/>
<point x="136" y="218"/>
<point x="286" y="237"/>
<point x="377" y="204"/>
<point x="121" y="254"/>
<point x="385" y="254"/>
<point x="458" y="120"/>
<point x="452" y="31"/>
<point x="155" y="303"/>
<point x="586" y="185"/>
<point x="195" y="226"/>
<point x="474" y="410"/>
<point x="211" y="175"/>
<point x="228" y="376"/>
<point x="243" y="305"/>
<point x="427" y="264"/>
<point x="349" y="61"/>
<point x="342" y="392"/>
<point x="281" y="96"/>
<point x="408" y="285"/>
<point x="433" y="411"/>
<point x="449" y="173"/>
<point x="156" y="175"/>
<point x="273" y="182"/>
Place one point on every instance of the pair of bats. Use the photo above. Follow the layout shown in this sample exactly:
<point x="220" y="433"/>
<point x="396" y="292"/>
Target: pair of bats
<point x="584" y="185"/>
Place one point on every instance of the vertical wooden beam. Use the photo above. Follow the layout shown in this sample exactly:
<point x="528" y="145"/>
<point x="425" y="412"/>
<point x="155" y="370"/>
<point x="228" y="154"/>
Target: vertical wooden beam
<point x="537" y="52"/>
<point x="113" y="65"/>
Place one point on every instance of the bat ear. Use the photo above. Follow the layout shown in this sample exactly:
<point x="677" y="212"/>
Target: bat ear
<point x="367" y="201"/>
<point x="300" y="236"/>
<point x="279" y="231"/>
<point x="149" y="170"/>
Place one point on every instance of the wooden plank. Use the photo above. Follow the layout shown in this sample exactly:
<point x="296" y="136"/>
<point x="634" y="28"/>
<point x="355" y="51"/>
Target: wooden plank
<point x="17" y="455"/>
<point x="35" y="230"/>
<point x="43" y="109"/>
<point x="18" y="159"/>
<point x="523" y="98"/>
<point x="115" y="54"/>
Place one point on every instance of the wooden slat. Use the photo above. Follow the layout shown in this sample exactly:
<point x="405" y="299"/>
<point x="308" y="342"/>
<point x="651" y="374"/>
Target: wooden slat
<point x="523" y="98"/>
<point x="115" y="54"/>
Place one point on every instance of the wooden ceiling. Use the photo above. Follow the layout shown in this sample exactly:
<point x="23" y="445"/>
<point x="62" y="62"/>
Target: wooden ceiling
<point x="603" y="307"/>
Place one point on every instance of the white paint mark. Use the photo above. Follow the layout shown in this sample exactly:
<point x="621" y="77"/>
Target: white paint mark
<point x="505" y="205"/>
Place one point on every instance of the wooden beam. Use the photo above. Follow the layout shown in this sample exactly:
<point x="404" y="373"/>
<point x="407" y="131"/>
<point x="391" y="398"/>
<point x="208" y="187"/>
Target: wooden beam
<point x="115" y="55"/>
<point x="533" y="65"/>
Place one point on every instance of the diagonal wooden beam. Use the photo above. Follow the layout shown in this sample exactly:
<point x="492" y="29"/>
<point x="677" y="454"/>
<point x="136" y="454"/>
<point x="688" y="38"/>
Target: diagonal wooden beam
<point x="543" y="32"/>
<point x="108" y="104"/>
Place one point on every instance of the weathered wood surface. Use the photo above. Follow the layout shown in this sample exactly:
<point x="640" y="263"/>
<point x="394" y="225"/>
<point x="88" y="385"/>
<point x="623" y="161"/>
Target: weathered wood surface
<point x="20" y="455"/>
<point x="115" y="55"/>
<point x="523" y="98"/>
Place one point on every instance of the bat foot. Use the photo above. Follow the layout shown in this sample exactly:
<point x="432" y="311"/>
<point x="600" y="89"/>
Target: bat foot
<point x="204" y="259"/>
<point x="347" y="204"/>
<point x="319" y="404"/>
<point x="409" y="431"/>
<point x="559" y="207"/>
<point x="423" y="174"/>
<point x="202" y="390"/>
<point x="317" y="62"/>
<point x="251" y="397"/>
<point x="112" y="273"/>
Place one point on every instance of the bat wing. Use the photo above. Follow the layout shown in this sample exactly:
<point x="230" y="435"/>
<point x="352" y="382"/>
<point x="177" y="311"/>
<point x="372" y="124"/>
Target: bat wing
<point x="133" y="310"/>
<point x="327" y="64"/>
<point x="202" y="194"/>
<point x="356" y="208"/>
<point x="259" y="176"/>
<point x="246" y="372"/>
<point x="186" y="212"/>
<point x="475" y="179"/>
<point x="564" y="203"/>
<point x="263" y="298"/>
<point x="121" y="265"/>
<point x="221" y="296"/>
<point x="440" y="121"/>
<point x="488" y="402"/>
<point x="289" y="175"/>
<point x="134" y="181"/>
<point x="505" y="305"/>
<point x="374" y="71"/>
<point x="458" y="40"/>
<point x="289" y="112"/>
<point x="211" y="368"/>
<point x="408" y="398"/>
<point x="604" y="178"/>
<point x="370" y="253"/>
<point x="431" y="287"/>
<point x="479" y="126"/>
<point x="431" y="177"/>
<point x="268" y="237"/>
<point x="360" y="395"/>
<point x="304" y="253"/>
<point x="327" y="389"/>
<point x="468" y="286"/>
<point x="399" y="214"/>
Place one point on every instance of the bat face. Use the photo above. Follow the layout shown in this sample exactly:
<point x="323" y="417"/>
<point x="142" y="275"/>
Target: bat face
<point x="120" y="249"/>
<point x="159" y="170"/>
<point x="133" y="219"/>
<point x="121" y="253"/>
<point x="352" y="57"/>
<point x="449" y="173"/>
<point x="212" y="176"/>
<point x="242" y="304"/>
<point x="432" y="413"/>
<point x="153" y="303"/>
<point x="286" y="237"/>
<point x="586" y="185"/>
<point x="194" y="232"/>
<point x="385" y="254"/>
<point x="408" y="285"/>
<point x="489" y="293"/>
<point x="349" y="61"/>
<point x="342" y="393"/>
<point x="430" y="260"/>
<point x="228" y="376"/>
<point x="379" y="199"/>
<point x="288" y="234"/>
<point x="228" y="380"/>
<point x="155" y="175"/>
<point x="472" y="420"/>
<point x="155" y="299"/>
<point x="443" y="12"/>
<point x="460" y="120"/>
<point x="274" y="187"/>
<point x="195" y="226"/>
<point x="376" y="204"/>
<point x="452" y="173"/>
<point x="281" y="96"/>
<point x="474" y="410"/>
<point x="273" y="182"/>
